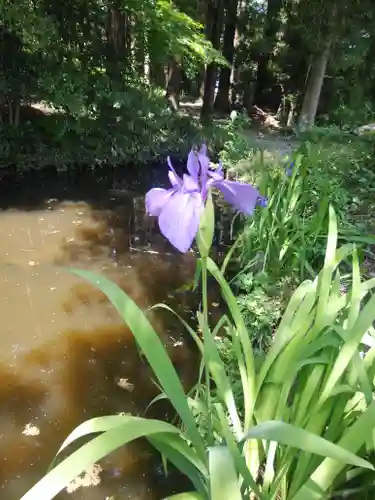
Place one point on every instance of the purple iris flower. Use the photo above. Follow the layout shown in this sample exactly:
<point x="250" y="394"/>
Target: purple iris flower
<point x="179" y="208"/>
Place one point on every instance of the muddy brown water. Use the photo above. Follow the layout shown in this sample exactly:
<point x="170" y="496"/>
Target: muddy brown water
<point x="65" y="354"/>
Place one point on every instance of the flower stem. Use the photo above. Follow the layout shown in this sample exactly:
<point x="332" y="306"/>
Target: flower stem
<point x="206" y="331"/>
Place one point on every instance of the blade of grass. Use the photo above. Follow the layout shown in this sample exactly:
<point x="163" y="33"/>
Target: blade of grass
<point x="329" y="265"/>
<point x="350" y="348"/>
<point x="186" y="325"/>
<point x="243" y="469"/>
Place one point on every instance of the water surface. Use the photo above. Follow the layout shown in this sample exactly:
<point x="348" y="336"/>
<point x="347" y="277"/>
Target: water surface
<point x="65" y="354"/>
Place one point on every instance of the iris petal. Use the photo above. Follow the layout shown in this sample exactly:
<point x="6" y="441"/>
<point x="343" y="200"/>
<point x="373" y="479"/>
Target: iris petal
<point x="179" y="219"/>
<point x="216" y="175"/>
<point x="156" y="199"/>
<point x="243" y="197"/>
<point x="204" y="163"/>
<point x="190" y="184"/>
<point x="203" y="150"/>
<point x="193" y="165"/>
<point x="174" y="179"/>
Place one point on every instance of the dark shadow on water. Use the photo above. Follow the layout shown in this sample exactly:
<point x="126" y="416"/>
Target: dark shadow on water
<point x="29" y="190"/>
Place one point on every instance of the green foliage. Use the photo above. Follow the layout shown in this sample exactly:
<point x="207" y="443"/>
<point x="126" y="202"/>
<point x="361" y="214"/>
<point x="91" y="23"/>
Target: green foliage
<point x="143" y="130"/>
<point x="85" y="58"/>
<point x="284" y="242"/>
<point x="261" y="302"/>
<point x="87" y="61"/>
<point x="343" y="161"/>
<point x="287" y="237"/>
<point x="237" y="150"/>
<point x="308" y="409"/>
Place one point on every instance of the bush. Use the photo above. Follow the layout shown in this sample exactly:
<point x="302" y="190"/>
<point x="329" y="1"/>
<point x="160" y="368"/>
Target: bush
<point x="134" y="125"/>
<point x="346" y="160"/>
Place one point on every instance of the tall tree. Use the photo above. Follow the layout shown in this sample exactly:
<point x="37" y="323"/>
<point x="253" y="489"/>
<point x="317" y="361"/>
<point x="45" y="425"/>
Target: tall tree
<point x="174" y="83"/>
<point x="264" y="78"/>
<point x="116" y="37"/>
<point x="314" y="86"/>
<point x="337" y="28"/>
<point x="222" y="102"/>
<point x="214" y="24"/>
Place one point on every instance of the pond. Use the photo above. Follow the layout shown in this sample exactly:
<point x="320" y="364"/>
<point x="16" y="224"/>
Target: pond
<point x="65" y="354"/>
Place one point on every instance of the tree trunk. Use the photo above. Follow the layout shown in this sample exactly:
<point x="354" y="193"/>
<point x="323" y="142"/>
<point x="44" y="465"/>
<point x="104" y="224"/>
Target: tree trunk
<point x="174" y="84"/>
<point x="271" y="29"/>
<point x="10" y="111"/>
<point x="214" y="22"/>
<point x="17" y="109"/>
<point x="236" y="66"/>
<point x="116" y="39"/>
<point x="139" y="48"/>
<point x="313" y="88"/>
<point x="222" y="102"/>
<point x="290" y="119"/>
<point x="246" y="77"/>
<point x="157" y="74"/>
<point x="199" y="83"/>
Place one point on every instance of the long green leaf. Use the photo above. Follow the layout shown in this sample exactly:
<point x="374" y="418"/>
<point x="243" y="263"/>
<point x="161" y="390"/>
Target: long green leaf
<point x="61" y="475"/>
<point x="363" y="323"/>
<point x="223" y="386"/>
<point x="355" y="437"/>
<point x="355" y="299"/>
<point x="108" y="423"/>
<point x="242" y="467"/>
<point x="329" y="264"/>
<point x="289" y="435"/>
<point x="188" y="328"/>
<point x="223" y="477"/>
<point x="180" y="445"/>
<point x="249" y="394"/>
<point x="183" y="458"/>
<point x="153" y="349"/>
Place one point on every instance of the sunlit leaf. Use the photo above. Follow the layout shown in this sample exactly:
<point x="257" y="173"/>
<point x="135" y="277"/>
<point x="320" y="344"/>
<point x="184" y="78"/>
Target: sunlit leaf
<point x="61" y="475"/>
<point x="328" y="470"/>
<point x="223" y="477"/>
<point x="289" y="435"/>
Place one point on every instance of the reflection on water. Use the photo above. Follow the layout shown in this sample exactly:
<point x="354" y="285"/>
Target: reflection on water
<point x="65" y="354"/>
